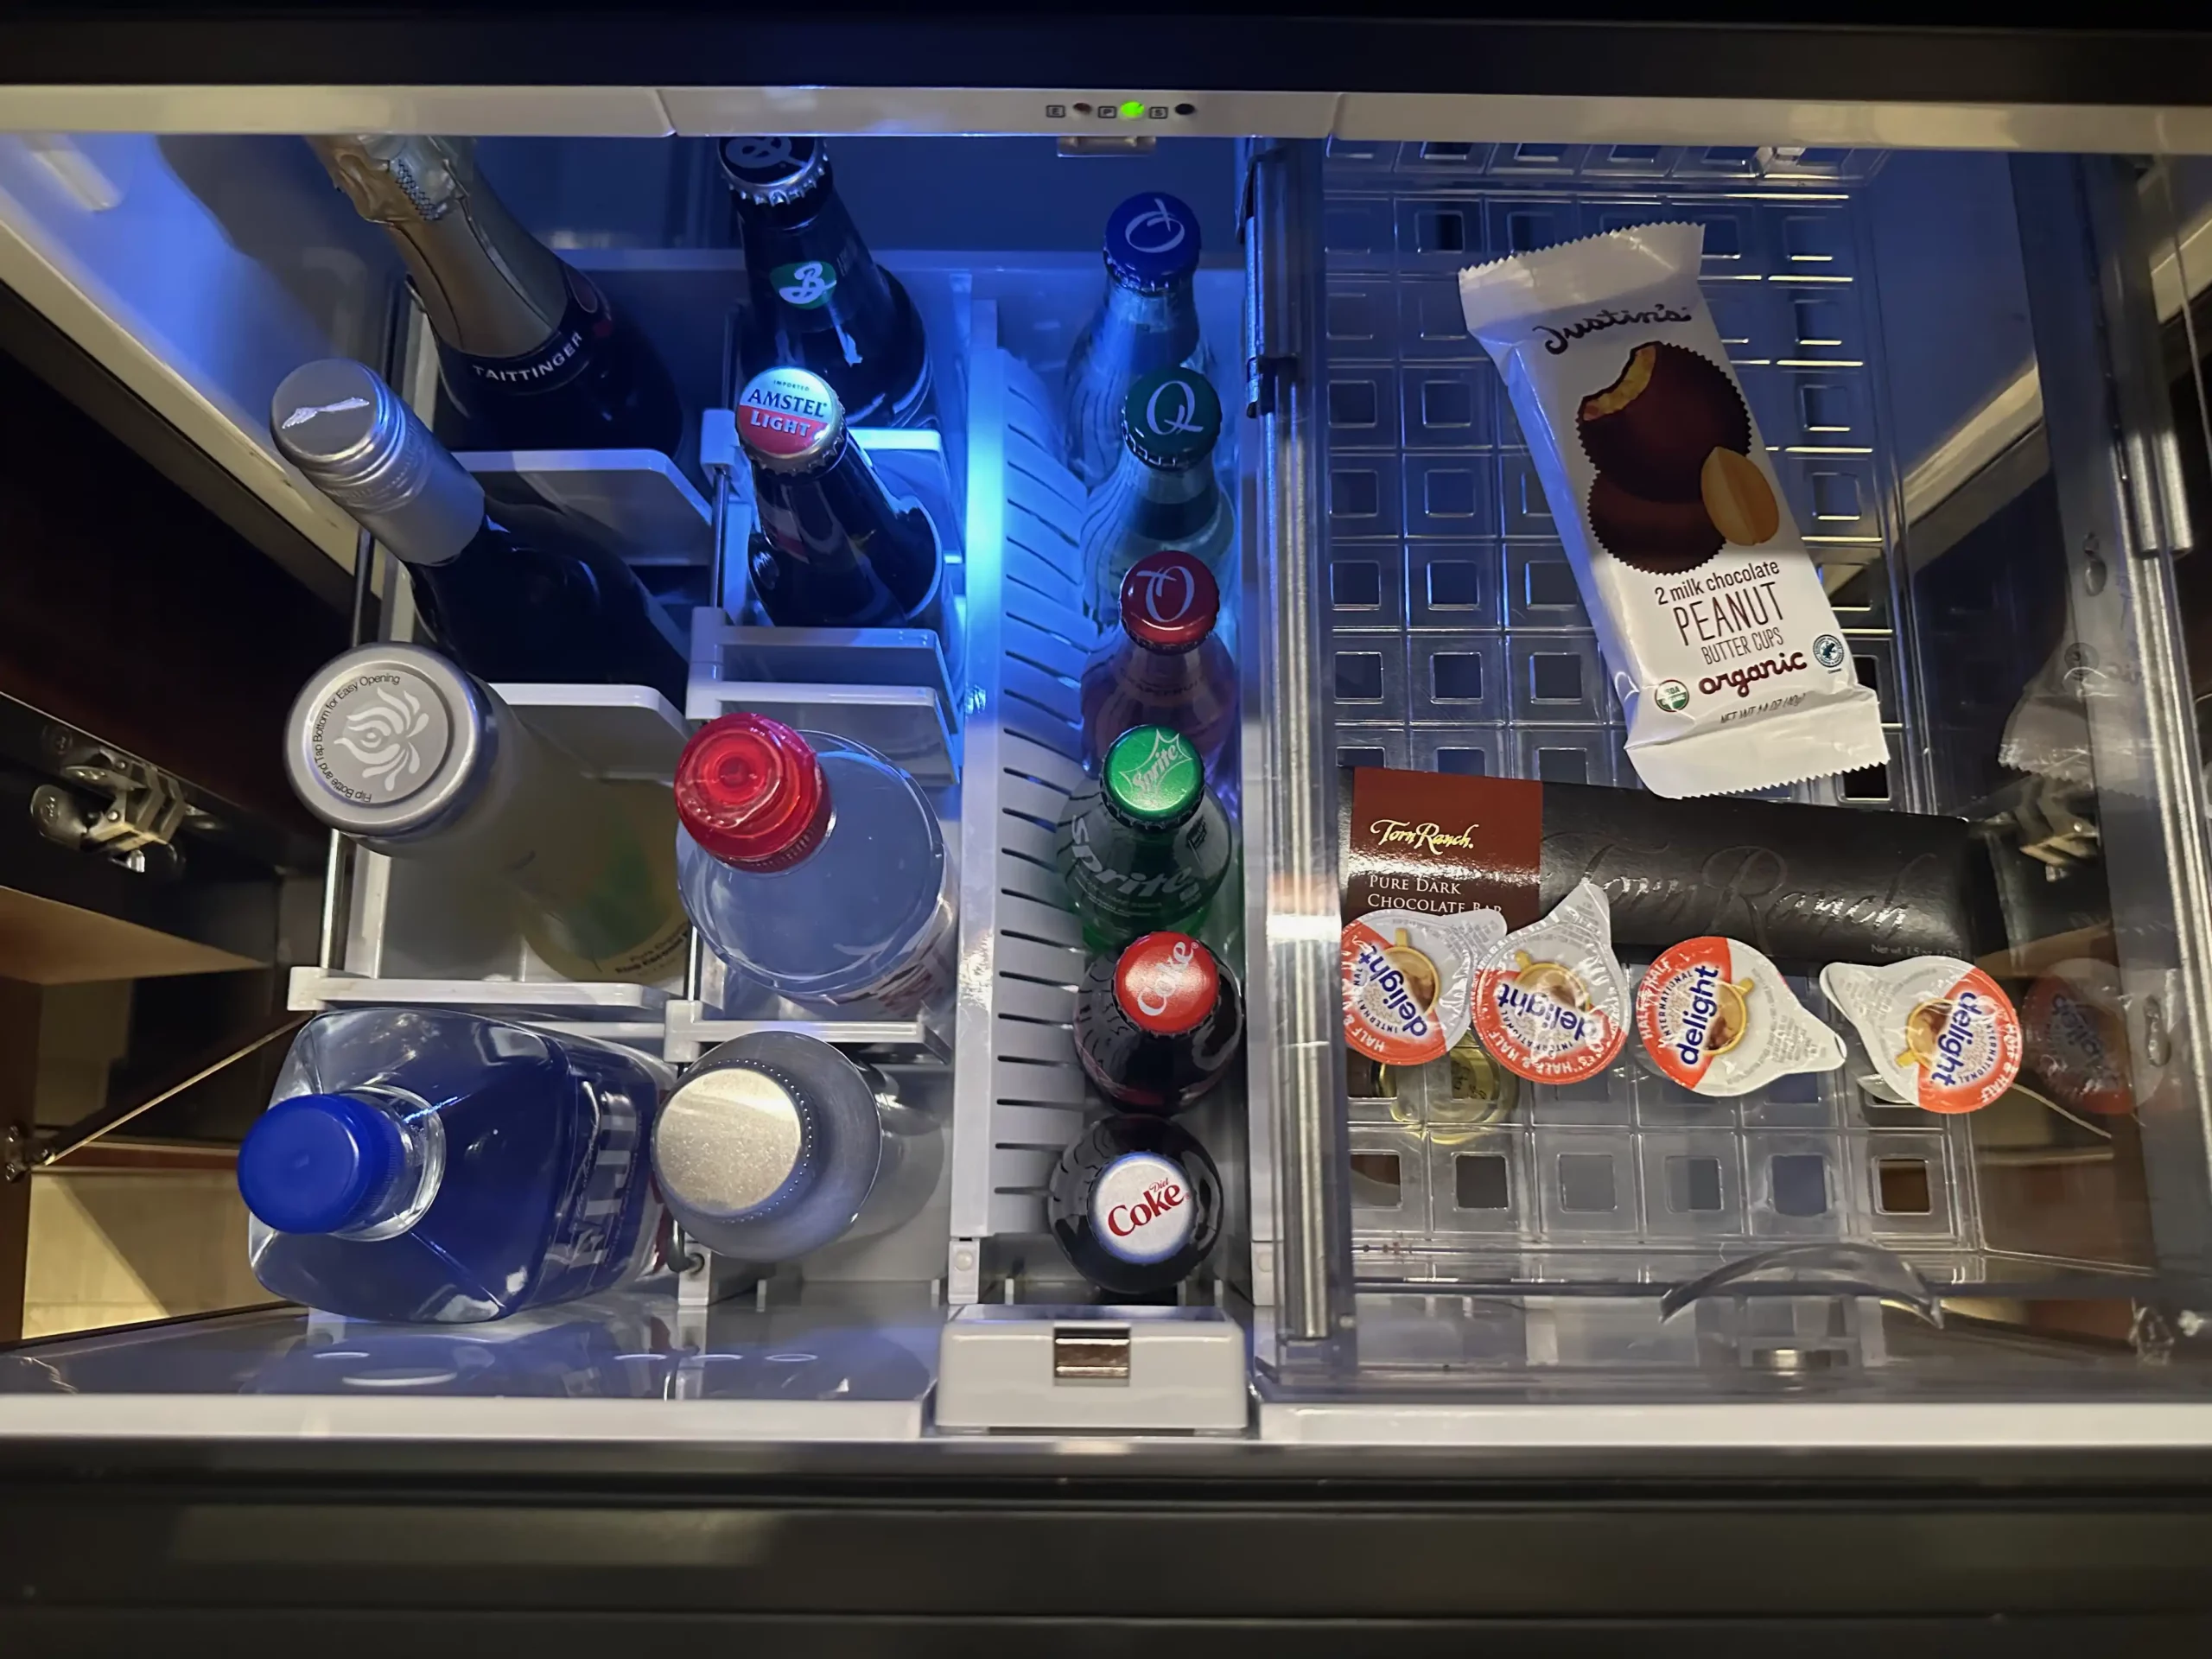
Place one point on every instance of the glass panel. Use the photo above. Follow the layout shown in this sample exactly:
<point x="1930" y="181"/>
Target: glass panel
<point x="1886" y="317"/>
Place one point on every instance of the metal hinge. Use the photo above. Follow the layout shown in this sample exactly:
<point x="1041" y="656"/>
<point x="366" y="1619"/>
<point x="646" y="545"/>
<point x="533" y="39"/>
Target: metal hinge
<point x="117" y="805"/>
<point x="1267" y="363"/>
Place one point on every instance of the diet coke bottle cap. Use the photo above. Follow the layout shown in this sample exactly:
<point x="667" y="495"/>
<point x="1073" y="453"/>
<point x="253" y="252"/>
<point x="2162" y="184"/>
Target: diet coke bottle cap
<point x="1142" y="1208"/>
<point x="1169" y="601"/>
<point x="1167" y="983"/>
<point x="750" y="792"/>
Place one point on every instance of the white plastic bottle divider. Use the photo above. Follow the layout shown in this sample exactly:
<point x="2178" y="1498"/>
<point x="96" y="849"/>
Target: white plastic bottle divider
<point x="885" y="688"/>
<point x="419" y="935"/>
<point x="1018" y="1094"/>
<point x="639" y="497"/>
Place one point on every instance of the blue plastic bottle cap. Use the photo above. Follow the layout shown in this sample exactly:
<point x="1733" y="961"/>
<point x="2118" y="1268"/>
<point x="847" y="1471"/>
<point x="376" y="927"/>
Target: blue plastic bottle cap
<point x="315" y="1163"/>
<point x="1152" y="240"/>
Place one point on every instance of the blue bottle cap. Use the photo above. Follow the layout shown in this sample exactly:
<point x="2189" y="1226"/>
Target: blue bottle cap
<point x="315" y="1163"/>
<point x="1152" y="240"/>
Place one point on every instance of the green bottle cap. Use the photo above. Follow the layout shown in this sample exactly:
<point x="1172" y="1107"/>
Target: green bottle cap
<point x="1171" y="417"/>
<point x="1154" y="775"/>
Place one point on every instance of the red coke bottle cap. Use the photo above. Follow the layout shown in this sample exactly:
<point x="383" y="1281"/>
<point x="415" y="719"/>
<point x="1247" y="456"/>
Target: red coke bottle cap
<point x="1167" y="983"/>
<point x="750" y="791"/>
<point x="1169" y="601"/>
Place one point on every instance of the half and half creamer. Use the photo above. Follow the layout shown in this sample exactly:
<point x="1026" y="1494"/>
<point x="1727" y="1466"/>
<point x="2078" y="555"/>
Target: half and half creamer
<point x="1721" y="643"/>
<point x="1550" y="1000"/>
<point x="1941" y="1033"/>
<point x="1718" y="1018"/>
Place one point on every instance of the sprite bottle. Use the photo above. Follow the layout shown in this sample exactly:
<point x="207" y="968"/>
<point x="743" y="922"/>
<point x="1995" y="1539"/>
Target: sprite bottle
<point x="1146" y="847"/>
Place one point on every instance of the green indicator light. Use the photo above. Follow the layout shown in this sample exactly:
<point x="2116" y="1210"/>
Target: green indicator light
<point x="1132" y="108"/>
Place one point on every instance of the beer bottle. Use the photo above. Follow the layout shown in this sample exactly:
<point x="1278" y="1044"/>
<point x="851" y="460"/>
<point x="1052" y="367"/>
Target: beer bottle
<point x="830" y="548"/>
<point x="817" y="299"/>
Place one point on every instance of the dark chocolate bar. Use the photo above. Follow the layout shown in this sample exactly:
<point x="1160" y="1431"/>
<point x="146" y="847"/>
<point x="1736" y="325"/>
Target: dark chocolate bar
<point x="1805" y="885"/>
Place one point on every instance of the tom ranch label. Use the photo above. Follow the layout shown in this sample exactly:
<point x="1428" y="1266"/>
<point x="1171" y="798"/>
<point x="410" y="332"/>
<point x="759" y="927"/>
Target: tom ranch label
<point x="1442" y="845"/>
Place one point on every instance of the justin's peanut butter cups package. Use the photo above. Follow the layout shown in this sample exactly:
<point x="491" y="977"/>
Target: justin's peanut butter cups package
<point x="1717" y="631"/>
<point x="1941" y="1033"/>
<point x="1719" y="1018"/>
<point x="1550" y="1000"/>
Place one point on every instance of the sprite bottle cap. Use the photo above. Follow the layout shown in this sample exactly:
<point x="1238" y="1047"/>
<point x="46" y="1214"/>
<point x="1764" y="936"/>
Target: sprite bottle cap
<point x="1154" y="776"/>
<point x="1171" y="417"/>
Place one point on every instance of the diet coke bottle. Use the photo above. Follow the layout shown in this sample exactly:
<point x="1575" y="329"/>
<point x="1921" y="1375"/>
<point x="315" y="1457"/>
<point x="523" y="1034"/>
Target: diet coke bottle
<point x="1136" y="1205"/>
<point x="1159" y="1024"/>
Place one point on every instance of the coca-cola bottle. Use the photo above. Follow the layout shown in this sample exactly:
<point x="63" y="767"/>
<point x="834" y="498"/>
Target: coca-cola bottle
<point x="1135" y="1203"/>
<point x="1159" y="1024"/>
<point x="819" y="301"/>
<point x="830" y="548"/>
<point x="531" y="354"/>
<point x="1163" y="494"/>
<point x="1148" y="320"/>
<point x="1146" y="847"/>
<point x="1165" y="666"/>
<point x="515" y="593"/>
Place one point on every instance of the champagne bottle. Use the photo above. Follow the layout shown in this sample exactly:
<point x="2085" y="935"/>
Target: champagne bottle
<point x="526" y="596"/>
<point x="530" y="353"/>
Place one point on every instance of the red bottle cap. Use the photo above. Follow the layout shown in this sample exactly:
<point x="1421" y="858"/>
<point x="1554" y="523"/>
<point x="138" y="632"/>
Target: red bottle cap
<point x="1169" y="601"/>
<point x="750" y="792"/>
<point x="1167" y="983"/>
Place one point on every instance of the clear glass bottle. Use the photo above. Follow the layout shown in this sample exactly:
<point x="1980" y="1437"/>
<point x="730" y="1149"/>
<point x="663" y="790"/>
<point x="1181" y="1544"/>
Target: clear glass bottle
<point x="530" y="353"/>
<point x="1148" y="320"/>
<point x="776" y="1145"/>
<point x="1165" y="664"/>
<point x="422" y="1164"/>
<point x="813" y="866"/>
<point x="399" y="748"/>
<point x="1163" y="494"/>
<point x="524" y="596"/>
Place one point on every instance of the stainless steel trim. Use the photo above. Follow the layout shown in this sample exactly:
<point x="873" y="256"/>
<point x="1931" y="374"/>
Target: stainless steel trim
<point x="1297" y="1056"/>
<point x="1436" y="116"/>
<point x="2088" y="260"/>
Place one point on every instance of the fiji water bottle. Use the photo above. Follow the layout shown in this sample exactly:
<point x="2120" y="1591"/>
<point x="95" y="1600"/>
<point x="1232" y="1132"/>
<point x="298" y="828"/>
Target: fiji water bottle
<point x="422" y="1164"/>
<point x="813" y="866"/>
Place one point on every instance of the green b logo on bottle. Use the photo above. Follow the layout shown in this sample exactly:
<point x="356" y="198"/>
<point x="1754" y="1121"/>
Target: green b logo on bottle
<point x="806" y="284"/>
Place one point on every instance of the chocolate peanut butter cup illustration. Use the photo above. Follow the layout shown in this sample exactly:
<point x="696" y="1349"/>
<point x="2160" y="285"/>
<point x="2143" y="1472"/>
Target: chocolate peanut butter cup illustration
<point x="1671" y="440"/>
